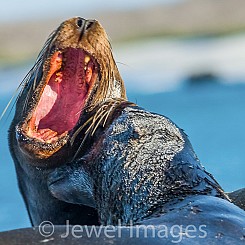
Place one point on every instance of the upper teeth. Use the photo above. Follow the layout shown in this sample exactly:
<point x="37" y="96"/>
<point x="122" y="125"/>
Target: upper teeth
<point x="58" y="78"/>
<point x="86" y="59"/>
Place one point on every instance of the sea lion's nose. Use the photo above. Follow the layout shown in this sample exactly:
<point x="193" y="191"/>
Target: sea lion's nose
<point x="84" y="24"/>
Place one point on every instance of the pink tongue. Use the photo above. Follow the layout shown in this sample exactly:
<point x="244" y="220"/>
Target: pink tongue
<point x="45" y="104"/>
<point x="62" y="100"/>
<point x="61" y="112"/>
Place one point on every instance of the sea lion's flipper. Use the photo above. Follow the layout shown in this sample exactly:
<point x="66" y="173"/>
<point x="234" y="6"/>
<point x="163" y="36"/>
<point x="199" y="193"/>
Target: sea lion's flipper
<point x="72" y="185"/>
<point x="238" y="197"/>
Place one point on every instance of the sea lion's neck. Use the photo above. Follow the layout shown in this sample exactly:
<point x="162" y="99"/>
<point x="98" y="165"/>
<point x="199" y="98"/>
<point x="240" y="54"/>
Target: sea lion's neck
<point x="141" y="173"/>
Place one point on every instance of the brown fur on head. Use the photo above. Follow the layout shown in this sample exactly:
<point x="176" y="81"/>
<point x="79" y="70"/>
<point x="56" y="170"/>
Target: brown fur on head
<point x="95" y="42"/>
<point x="75" y="73"/>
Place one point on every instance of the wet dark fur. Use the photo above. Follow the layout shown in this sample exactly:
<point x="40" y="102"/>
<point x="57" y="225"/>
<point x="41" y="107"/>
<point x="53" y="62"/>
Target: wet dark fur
<point x="142" y="170"/>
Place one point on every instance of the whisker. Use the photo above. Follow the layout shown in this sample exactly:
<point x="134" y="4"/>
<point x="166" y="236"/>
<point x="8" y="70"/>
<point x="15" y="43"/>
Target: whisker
<point x="121" y="63"/>
<point x="27" y="99"/>
<point x="27" y="78"/>
<point x="108" y="113"/>
<point x="79" y="130"/>
<point x="36" y="74"/>
<point x="93" y="119"/>
<point x="12" y="107"/>
<point x="98" y="123"/>
<point x="106" y="107"/>
<point x="10" y="101"/>
<point x="92" y="124"/>
<point x="80" y="147"/>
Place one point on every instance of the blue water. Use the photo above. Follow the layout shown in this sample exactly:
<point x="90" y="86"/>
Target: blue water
<point x="12" y="210"/>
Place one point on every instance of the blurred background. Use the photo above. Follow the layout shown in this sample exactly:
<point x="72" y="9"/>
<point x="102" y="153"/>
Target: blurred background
<point x="184" y="59"/>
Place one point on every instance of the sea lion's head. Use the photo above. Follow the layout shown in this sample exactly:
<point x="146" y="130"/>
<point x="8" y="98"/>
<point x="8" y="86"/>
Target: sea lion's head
<point x="74" y="73"/>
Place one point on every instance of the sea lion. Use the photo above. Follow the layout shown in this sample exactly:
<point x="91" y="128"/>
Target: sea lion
<point x="74" y="73"/>
<point x="104" y="155"/>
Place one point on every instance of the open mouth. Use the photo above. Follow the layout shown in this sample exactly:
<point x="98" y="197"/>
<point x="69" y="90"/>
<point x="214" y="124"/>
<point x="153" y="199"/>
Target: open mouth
<point x="67" y="87"/>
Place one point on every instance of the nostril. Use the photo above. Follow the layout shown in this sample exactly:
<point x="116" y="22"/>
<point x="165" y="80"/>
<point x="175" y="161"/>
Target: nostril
<point x="80" y="22"/>
<point x="89" y="23"/>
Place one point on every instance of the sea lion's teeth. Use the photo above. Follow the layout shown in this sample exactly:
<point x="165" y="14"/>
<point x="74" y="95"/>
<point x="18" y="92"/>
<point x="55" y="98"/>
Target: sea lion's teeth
<point x="52" y="140"/>
<point x="85" y="68"/>
<point x="59" y="57"/>
<point x="86" y="59"/>
<point x="88" y="74"/>
<point x="58" y="78"/>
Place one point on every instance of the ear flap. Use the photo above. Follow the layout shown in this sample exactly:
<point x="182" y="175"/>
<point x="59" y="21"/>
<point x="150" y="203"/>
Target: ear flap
<point x="72" y="184"/>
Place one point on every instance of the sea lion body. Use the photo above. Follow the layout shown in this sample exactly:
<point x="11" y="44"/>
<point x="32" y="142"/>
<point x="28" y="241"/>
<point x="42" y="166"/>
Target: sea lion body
<point x="83" y="153"/>
<point x="143" y="171"/>
<point x="139" y="151"/>
<point x="42" y="206"/>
